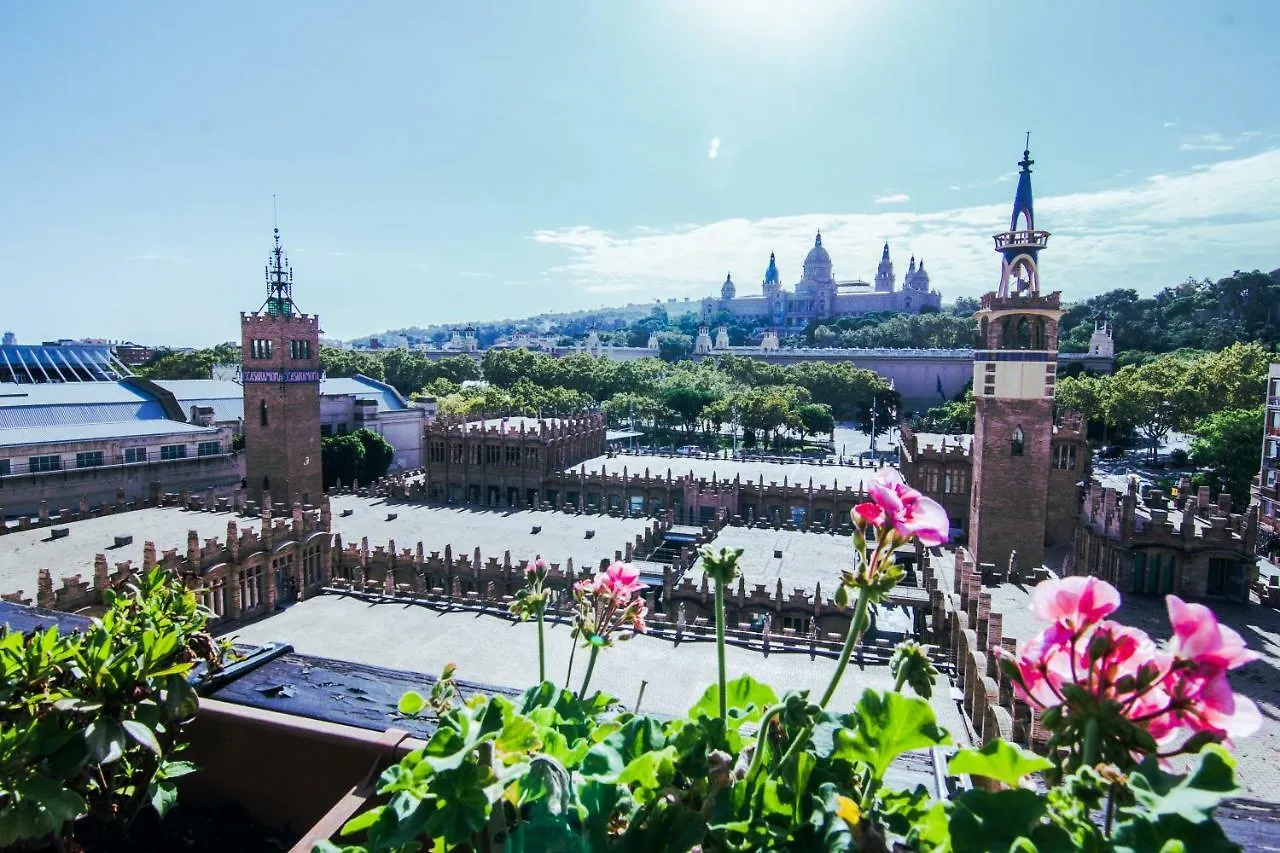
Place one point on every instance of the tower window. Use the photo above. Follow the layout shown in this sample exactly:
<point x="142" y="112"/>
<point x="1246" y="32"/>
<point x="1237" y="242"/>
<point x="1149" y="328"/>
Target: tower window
<point x="300" y="349"/>
<point x="262" y="412"/>
<point x="1016" y="443"/>
<point x="260" y="348"/>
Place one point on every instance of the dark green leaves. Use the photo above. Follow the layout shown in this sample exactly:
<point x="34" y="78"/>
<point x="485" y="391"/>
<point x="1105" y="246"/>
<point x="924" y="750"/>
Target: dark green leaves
<point x="747" y="700"/>
<point x="1000" y="760"/>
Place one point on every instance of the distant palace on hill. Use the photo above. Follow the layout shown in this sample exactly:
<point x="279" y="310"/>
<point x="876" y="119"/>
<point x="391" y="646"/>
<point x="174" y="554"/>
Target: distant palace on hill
<point x="818" y="296"/>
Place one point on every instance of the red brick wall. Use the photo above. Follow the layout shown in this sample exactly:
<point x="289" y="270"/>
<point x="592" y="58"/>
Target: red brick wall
<point x="286" y="452"/>
<point x="1009" y="498"/>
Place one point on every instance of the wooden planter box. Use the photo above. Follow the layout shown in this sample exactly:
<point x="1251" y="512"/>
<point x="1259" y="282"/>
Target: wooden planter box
<point x="291" y="773"/>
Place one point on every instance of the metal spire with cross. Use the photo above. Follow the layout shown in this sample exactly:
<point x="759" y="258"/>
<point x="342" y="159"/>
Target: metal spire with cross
<point x="278" y="273"/>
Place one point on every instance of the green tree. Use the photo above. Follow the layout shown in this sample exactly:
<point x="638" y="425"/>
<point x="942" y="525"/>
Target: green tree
<point x="341" y="459"/>
<point x="377" y="456"/>
<point x="1155" y="397"/>
<point x="815" y="419"/>
<point x="1229" y="443"/>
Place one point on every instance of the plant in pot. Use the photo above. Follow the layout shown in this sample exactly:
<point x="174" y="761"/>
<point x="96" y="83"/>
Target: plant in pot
<point x="91" y="721"/>
<point x="748" y="770"/>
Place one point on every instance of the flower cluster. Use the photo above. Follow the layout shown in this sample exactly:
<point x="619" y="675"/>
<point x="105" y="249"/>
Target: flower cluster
<point x="531" y="601"/>
<point x="607" y="602"/>
<point x="895" y="515"/>
<point x="1088" y="674"/>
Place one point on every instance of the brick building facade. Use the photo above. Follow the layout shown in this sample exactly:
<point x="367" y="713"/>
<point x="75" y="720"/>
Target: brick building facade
<point x="505" y="462"/>
<point x="1188" y="545"/>
<point x="280" y="352"/>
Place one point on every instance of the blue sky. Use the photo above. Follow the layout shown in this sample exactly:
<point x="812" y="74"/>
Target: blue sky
<point x="441" y="162"/>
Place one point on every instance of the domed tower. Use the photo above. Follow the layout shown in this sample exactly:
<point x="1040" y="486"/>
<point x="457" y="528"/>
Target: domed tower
<point x="922" y="278"/>
<point x="884" y="272"/>
<point x="817" y="264"/>
<point x="1014" y="371"/>
<point x="772" y="281"/>
<point x="727" y="290"/>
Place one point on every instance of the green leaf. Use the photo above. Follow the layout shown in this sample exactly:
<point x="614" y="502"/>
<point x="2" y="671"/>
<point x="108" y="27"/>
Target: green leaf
<point x="174" y="769"/>
<point x="883" y="726"/>
<point x="411" y="703"/>
<point x="180" y="699"/>
<point x="164" y="794"/>
<point x="142" y="733"/>
<point x="362" y="821"/>
<point x="518" y="737"/>
<point x="747" y="700"/>
<point x="105" y="740"/>
<point x="1192" y="797"/>
<point x="986" y="822"/>
<point x="999" y="760"/>
<point x="651" y="770"/>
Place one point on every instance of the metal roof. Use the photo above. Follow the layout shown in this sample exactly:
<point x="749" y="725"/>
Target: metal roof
<point x="60" y="363"/>
<point x="106" y="430"/>
<point x="64" y="403"/>
<point x="365" y="388"/>
<point x="226" y="397"/>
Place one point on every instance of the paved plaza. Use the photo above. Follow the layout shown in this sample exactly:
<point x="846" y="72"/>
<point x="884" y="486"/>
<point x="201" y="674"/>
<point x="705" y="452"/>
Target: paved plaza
<point x="808" y="559"/>
<point x="494" y="531"/>
<point x="24" y="553"/>
<point x="491" y="650"/>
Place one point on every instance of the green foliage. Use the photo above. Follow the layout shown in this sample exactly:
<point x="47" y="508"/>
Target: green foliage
<point x="198" y="364"/>
<point x="90" y="722"/>
<point x="1005" y="762"/>
<point x="378" y="454"/>
<point x="341" y="459"/>
<point x="1227" y="443"/>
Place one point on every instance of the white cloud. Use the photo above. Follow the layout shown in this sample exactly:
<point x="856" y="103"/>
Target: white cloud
<point x="893" y="198"/>
<point x="1007" y="176"/>
<point x="715" y="142"/>
<point x="1218" y="142"/>
<point x="713" y="153"/>
<point x="1170" y="123"/>
<point x="713" y="150"/>
<point x="954" y="187"/>
<point x="1147" y="234"/>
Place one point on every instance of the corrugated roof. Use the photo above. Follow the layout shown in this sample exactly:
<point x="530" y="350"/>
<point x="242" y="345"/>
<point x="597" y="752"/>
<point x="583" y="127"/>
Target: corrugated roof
<point x="362" y="387"/>
<point x="61" y="404"/>
<point x="97" y="431"/>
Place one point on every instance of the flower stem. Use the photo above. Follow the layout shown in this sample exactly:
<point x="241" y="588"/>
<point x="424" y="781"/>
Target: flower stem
<point x="591" y="665"/>
<point x="900" y="680"/>
<point x="724" y="694"/>
<point x="850" y="640"/>
<point x="573" y="650"/>
<point x="1090" y="755"/>
<point x="542" y="647"/>
<point x="762" y="741"/>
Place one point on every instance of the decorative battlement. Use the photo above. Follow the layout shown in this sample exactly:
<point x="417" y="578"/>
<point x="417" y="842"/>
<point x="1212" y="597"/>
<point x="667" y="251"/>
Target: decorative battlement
<point x="993" y="302"/>
<point x="1021" y="240"/>
<point x="248" y="318"/>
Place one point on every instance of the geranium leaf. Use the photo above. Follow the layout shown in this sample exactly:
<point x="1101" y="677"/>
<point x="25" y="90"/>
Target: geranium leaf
<point x="885" y="725"/>
<point x="999" y="760"/>
<point x="1192" y="797"/>
<point x="746" y="696"/>
<point x="411" y="703"/>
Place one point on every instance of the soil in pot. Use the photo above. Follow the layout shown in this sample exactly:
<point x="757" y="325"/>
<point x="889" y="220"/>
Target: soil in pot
<point x="186" y="829"/>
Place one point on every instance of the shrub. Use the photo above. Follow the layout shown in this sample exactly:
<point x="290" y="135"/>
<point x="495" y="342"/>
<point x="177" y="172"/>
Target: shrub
<point x="91" y="721"/>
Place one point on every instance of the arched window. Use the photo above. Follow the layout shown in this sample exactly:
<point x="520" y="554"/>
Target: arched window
<point x="262" y="412"/>
<point x="1015" y="444"/>
<point x="266" y="484"/>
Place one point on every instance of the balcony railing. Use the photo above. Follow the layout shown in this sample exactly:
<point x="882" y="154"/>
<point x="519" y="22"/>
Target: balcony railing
<point x="1021" y="240"/>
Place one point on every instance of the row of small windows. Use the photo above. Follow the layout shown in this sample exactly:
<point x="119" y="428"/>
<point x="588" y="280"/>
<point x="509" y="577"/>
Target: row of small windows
<point x="263" y="348"/>
<point x="492" y="454"/>
<point x="97" y="458"/>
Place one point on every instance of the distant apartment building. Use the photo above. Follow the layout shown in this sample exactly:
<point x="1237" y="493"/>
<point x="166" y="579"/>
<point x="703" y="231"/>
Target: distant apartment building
<point x="1266" y="491"/>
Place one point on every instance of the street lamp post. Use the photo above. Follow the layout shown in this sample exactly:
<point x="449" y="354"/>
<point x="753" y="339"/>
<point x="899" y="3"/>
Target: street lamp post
<point x="873" y="429"/>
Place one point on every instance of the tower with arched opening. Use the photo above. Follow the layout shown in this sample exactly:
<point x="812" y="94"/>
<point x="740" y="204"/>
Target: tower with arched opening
<point x="1014" y="369"/>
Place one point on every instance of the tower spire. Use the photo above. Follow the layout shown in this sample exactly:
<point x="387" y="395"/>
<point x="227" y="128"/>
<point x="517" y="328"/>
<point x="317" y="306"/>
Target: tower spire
<point x="1020" y="246"/>
<point x="279" y="273"/>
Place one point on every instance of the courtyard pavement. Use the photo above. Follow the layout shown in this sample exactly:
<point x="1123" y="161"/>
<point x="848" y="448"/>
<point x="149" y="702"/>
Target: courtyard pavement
<point x="24" y="553"/>
<point x="808" y="559"/>
<point x="495" y="531"/>
<point x="492" y="650"/>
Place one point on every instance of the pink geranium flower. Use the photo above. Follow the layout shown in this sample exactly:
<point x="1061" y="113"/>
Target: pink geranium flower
<point x="623" y="578"/>
<point x="868" y="513"/>
<point x="1199" y="637"/>
<point x="1074" y="601"/>
<point x="910" y="513"/>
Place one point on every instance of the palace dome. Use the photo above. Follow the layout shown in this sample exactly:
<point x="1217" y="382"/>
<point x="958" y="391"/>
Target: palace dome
<point x="817" y="255"/>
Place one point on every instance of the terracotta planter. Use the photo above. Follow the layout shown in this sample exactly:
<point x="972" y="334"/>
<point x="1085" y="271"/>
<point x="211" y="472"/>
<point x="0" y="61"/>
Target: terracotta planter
<point x="291" y="773"/>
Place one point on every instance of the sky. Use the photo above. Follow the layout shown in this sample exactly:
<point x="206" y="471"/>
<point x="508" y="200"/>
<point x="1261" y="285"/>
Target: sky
<point x="442" y="162"/>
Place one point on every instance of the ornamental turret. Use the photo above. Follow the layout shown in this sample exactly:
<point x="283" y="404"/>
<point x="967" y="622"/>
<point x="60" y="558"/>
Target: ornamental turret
<point x="884" y="272"/>
<point x="1014" y="373"/>
<point x="772" y="280"/>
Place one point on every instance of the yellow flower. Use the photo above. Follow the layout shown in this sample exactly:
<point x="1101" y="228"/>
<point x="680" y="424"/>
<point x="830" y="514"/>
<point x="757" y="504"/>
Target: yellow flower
<point x="848" y="811"/>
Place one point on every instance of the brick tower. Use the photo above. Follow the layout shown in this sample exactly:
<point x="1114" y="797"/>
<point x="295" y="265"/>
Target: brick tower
<point x="280" y="371"/>
<point x="1014" y="369"/>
